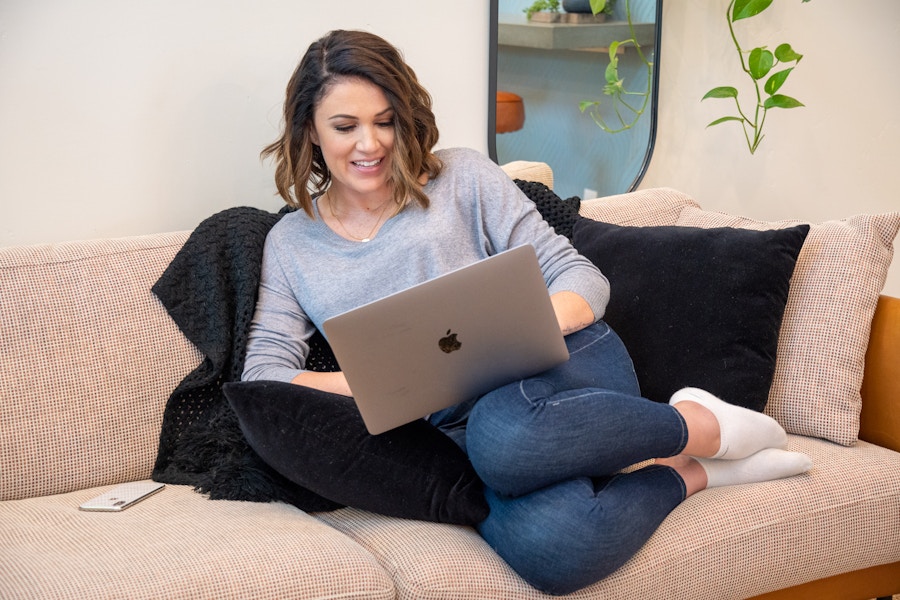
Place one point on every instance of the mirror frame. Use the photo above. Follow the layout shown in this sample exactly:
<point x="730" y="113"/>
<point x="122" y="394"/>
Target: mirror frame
<point x="492" y="90"/>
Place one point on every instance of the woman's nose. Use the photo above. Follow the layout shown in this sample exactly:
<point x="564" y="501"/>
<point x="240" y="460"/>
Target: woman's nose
<point x="368" y="139"/>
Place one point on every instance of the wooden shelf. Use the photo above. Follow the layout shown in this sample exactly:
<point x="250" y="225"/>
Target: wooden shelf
<point x="516" y="30"/>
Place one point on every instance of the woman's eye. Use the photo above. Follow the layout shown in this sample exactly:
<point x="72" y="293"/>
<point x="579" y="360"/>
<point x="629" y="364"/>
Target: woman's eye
<point x="348" y="128"/>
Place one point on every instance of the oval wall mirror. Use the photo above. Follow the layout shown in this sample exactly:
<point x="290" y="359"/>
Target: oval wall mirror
<point x="546" y="92"/>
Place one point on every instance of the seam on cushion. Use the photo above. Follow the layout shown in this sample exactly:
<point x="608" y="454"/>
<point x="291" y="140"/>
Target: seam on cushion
<point x="409" y="586"/>
<point x="406" y="582"/>
<point x="112" y="251"/>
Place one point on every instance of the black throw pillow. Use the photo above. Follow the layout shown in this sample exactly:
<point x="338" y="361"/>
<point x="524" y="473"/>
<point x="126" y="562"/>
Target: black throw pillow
<point x="696" y="307"/>
<point x="319" y="441"/>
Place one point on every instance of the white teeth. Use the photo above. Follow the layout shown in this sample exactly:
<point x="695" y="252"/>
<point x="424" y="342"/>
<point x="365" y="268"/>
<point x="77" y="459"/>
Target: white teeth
<point x="367" y="163"/>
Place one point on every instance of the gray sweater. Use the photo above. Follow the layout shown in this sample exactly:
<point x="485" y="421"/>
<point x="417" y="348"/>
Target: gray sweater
<point x="309" y="273"/>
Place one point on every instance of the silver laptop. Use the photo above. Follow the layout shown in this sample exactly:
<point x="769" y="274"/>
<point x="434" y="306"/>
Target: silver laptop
<point x="449" y="339"/>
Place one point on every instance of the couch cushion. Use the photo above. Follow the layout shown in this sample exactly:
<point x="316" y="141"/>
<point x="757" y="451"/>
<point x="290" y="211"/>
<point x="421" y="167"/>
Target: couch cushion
<point x="821" y="351"/>
<point x="178" y="544"/>
<point x="655" y="206"/>
<point x="725" y="543"/>
<point x="88" y="358"/>
<point x="696" y="307"/>
<point x="527" y="170"/>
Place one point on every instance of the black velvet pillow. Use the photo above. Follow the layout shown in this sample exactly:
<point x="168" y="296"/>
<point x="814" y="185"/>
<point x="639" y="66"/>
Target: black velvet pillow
<point x="318" y="440"/>
<point x="696" y="307"/>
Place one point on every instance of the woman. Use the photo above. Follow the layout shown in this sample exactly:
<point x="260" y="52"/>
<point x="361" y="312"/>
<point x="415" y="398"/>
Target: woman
<point x="385" y="213"/>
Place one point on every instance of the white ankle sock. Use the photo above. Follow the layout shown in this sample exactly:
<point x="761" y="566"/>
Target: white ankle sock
<point x="743" y="431"/>
<point x="765" y="465"/>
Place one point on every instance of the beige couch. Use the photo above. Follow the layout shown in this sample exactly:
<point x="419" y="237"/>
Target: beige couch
<point x="88" y="358"/>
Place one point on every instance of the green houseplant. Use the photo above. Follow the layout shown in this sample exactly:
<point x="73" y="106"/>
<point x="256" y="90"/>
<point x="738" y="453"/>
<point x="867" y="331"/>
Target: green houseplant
<point x="541" y="6"/>
<point x="628" y="104"/>
<point x="767" y="70"/>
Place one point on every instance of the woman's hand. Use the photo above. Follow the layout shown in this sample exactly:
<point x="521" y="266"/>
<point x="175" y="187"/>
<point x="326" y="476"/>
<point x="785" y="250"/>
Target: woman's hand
<point x="333" y="382"/>
<point x="572" y="311"/>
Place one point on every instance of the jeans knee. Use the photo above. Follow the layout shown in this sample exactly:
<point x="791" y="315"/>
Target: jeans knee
<point x="559" y="579"/>
<point x="497" y="448"/>
<point x="555" y="559"/>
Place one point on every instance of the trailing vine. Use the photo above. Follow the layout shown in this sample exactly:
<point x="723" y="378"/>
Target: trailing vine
<point x="758" y="64"/>
<point x="626" y="110"/>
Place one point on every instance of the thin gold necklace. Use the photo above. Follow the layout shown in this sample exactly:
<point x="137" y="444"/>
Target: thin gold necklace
<point x="368" y="237"/>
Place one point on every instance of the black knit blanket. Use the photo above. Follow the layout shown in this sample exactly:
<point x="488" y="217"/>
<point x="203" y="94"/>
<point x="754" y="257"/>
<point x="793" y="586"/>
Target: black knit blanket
<point x="210" y="291"/>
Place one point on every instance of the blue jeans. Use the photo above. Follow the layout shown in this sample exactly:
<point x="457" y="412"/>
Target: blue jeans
<point x="548" y="449"/>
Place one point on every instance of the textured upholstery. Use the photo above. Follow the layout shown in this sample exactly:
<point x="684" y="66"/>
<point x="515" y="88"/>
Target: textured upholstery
<point x="744" y="540"/>
<point x="178" y="544"/>
<point x="88" y="358"/>
<point x="643" y="208"/>
<point x="827" y="321"/>
<point x="530" y="171"/>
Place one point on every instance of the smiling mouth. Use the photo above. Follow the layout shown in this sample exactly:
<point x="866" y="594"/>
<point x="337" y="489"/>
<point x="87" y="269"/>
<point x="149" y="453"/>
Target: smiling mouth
<point x="367" y="163"/>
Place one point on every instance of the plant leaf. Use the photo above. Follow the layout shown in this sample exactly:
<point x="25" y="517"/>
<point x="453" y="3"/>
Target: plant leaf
<point x="614" y="85"/>
<point x="785" y="53"/>
<point x="721" y="92"/>
<point x="724" y="120"/>
<point x="744" y="9"/>
<point x="613" y="51"/>
<point x="774" y="83"/>
<point x="612" y="70"/>
<point x="782" y="101"/>
<point x="760" y="63"/>
<point x="597" y="6"/>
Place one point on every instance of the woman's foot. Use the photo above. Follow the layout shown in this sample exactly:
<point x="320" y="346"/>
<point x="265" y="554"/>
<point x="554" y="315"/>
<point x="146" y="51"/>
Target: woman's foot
<point x="765" y="465"/>
<point x="741" y="432"/>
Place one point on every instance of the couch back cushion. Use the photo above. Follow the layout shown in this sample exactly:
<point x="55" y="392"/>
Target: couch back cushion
<point x="823" y="339"/>
<point x="641" y="208"/>
<point x="89" y="358"/>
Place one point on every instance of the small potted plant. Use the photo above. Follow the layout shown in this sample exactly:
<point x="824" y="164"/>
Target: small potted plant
<point x="576" y="11"/>
<point x="599" y="9"/>
<point x="543" y="11"/>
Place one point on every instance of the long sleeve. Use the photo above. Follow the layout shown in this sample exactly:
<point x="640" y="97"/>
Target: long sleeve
<point x="310" y="274"/>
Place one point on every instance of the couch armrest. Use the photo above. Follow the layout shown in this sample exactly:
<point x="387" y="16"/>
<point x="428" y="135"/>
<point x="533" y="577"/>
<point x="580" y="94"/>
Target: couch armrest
<point x="529" y="171"/>
<point x="880" y="418"/>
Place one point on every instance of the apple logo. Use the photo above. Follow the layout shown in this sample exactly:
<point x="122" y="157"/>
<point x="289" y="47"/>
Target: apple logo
<point x="449" y="343"/>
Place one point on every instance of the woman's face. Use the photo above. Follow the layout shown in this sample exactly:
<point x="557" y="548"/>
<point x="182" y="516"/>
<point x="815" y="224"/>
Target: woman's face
<point x="353" y="125"/>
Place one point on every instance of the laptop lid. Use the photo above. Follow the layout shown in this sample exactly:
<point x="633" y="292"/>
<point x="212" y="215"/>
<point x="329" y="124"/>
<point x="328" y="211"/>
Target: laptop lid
<point x="448" y="339"/>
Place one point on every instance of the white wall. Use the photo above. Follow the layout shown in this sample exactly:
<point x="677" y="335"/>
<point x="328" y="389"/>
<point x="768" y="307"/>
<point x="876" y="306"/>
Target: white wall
<point x="121" y="118"/>
<point x="836" y="157"/>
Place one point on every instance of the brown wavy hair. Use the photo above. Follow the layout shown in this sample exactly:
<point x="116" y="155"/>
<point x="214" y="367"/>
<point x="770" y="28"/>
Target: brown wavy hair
<point x="299" y="165"/>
